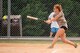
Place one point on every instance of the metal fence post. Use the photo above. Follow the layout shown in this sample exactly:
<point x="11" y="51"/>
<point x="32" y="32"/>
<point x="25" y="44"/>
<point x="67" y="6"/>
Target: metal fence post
<point x="21" y="26"/>
<point x="9" y="13"/>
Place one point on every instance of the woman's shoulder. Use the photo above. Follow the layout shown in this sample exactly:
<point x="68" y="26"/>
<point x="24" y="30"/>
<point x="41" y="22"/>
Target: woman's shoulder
<point x="62" y="12"/>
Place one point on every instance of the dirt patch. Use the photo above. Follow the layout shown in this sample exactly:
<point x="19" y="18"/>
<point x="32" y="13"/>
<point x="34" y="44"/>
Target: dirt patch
<point x="37" y="48"/>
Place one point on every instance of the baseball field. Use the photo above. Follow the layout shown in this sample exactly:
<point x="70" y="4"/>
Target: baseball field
<point x="26" y="46"/>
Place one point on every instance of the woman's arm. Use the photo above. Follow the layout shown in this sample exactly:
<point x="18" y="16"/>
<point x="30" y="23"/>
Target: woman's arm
<point x="54" y="18"/>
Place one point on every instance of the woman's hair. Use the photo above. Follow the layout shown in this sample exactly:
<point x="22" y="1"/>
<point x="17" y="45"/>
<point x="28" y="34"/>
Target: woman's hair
<point x="58" y="6"/>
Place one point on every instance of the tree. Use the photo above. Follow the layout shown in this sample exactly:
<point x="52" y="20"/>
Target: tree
<point x="36" y="9"/>
<point x="41" y="9"/>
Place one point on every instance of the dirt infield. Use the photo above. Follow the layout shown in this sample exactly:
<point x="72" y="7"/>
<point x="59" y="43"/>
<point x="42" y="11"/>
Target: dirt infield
<point x="37" y="48"/>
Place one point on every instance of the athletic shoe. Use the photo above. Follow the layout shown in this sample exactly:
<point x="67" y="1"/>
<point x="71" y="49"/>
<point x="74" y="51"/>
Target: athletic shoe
<point x="50" y="47"/>
<point x="75" y="45"/>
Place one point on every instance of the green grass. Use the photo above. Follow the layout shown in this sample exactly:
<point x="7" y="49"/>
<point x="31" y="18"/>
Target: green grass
<point x="23" y="41"/>
<point x="30" y="41"/>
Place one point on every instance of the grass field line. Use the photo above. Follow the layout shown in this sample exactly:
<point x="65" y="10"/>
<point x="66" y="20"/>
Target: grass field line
<point x="37" y="38"/>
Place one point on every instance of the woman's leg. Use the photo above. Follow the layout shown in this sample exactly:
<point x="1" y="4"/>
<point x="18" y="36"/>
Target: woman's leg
<point x="59" y="32"/>
<point x="51" y="33"/>
<point x="63" y="38"/>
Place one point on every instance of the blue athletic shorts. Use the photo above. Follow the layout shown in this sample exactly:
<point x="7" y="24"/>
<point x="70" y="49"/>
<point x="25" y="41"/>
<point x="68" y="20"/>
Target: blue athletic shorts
<point x="54" y="30"/>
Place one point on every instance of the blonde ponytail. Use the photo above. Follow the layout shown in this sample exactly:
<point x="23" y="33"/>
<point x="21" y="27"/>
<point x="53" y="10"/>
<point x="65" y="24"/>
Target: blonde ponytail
<point x="58" y="6"/>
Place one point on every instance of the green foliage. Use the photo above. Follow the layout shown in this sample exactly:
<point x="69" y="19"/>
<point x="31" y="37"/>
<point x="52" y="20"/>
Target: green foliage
<point x="35" y="9"/>
<point x="41" y="9"/>
<point x="72" y="34"/>
<point x="5" y="7"/>
<point x="33" y="30"/>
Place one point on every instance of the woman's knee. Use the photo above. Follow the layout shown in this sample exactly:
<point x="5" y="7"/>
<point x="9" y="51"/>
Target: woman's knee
<point x="64" y="40"/>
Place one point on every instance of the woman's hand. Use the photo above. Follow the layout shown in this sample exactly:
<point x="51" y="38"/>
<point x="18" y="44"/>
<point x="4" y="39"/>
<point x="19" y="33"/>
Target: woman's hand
<point x="47" y="21"/>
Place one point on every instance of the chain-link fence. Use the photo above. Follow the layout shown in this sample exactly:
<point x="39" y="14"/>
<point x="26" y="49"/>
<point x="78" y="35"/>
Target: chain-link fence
<point x="40" y="9"/>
